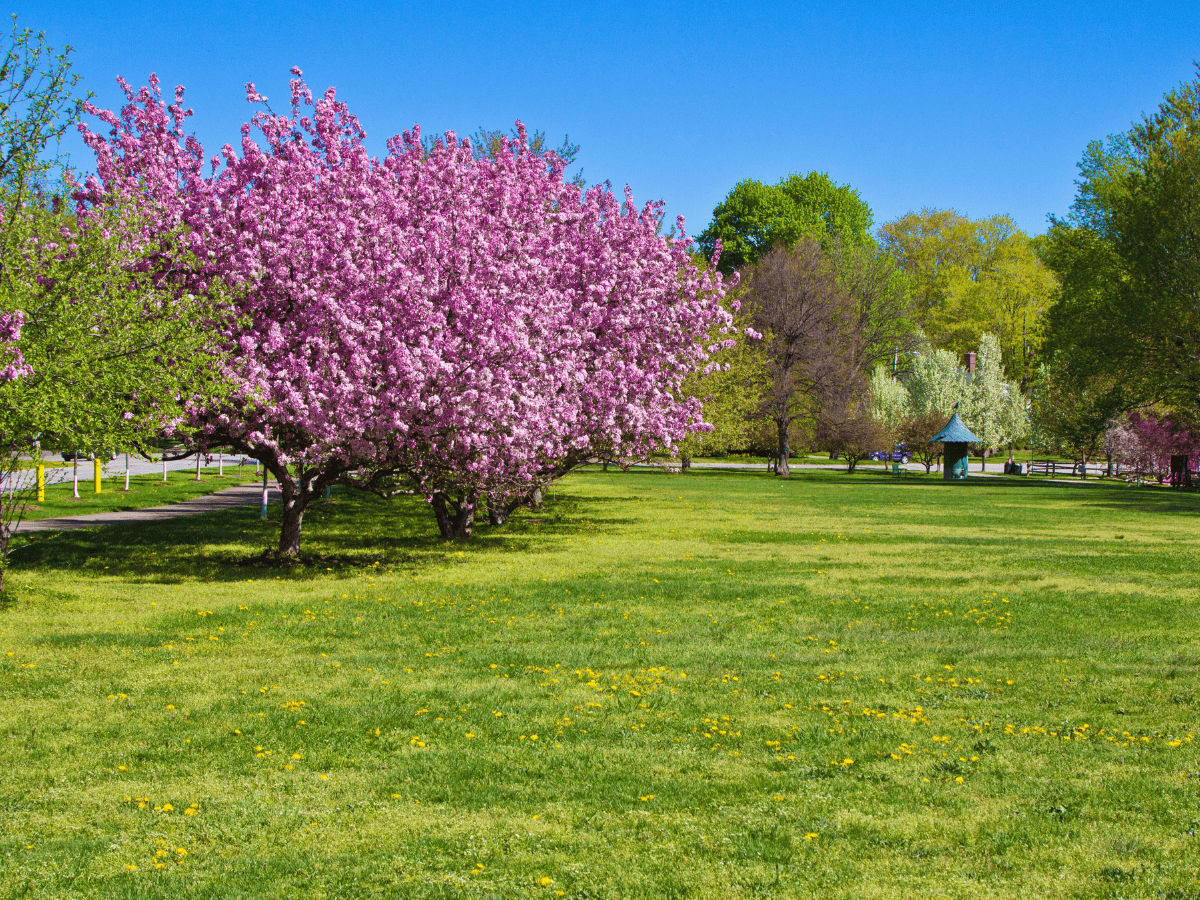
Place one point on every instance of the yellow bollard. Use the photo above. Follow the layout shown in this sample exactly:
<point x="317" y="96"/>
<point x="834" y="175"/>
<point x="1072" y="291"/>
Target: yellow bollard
<point x="41" y="483"/>
<point x="98" y="471"/>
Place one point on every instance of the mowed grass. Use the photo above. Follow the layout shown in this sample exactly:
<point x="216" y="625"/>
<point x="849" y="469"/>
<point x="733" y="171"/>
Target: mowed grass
<point x="705" y="685"/>
<point x="144" y="490"/>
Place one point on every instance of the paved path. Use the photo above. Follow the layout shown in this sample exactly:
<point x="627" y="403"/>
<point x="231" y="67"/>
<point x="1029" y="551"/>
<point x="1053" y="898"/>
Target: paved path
<point x="226" y="499"/>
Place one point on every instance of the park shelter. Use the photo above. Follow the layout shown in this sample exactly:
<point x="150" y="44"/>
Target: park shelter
<point x="955" y="436"/>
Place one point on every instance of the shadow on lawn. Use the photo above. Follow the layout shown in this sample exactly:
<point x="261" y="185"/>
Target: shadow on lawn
<point x="353" y="530"/>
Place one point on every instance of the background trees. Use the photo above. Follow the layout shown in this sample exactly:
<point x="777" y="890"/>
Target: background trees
<point x="796" y="304"/>
<point x="974" y="276"/>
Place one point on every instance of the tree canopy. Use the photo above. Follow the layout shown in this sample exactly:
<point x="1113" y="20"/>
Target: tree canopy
<point x="1128" y="256"/>
<point x="971" y="276"/>
<point x="755" y="218"/>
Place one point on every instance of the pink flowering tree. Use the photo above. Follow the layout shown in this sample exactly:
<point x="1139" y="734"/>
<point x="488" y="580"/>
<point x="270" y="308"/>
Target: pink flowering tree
<point x="1146" y="442"/>
<point x="467" y="326"/>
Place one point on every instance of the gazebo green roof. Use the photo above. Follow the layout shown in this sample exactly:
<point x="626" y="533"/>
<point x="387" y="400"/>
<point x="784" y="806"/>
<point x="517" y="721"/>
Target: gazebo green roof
<point x="955" y="432"/>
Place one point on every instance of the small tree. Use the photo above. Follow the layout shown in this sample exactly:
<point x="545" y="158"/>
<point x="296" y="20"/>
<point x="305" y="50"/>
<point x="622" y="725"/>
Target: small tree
<point x="796" y="303"/>
<point x="996" y="409"/>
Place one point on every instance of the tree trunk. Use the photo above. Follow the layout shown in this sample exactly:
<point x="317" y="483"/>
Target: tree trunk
<point x="1109" y="472"/>
<point x="685" y="462"/>
<point x="455" y="517"/>
<point x="781" y="469"/>
<point x="1083" y="465"/>
<point x="499" y="509"/>
<point x="291" y="517"/>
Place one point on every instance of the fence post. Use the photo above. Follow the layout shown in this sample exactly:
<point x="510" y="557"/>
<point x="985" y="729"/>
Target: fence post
<point x="41" y="483"/>
<point x="97" y="471"/>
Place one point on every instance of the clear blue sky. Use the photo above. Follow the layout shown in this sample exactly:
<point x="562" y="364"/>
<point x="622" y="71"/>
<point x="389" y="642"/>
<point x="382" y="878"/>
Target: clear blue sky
<point x="982" y="107"/>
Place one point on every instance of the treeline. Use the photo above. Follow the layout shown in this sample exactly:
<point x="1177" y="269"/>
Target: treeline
<point x="866" y="331"/>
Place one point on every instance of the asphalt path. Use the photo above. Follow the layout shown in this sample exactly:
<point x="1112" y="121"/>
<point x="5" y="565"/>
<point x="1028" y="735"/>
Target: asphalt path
<point x="225" y="499"/>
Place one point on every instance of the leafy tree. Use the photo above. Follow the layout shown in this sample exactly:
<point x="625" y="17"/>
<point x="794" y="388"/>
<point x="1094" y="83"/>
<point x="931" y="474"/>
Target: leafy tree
<point x="730" y="388"/>
<point x="755" y="218"/>
<point x="1070" y="415"/>
<point x="103" y="353"/>
<point x="91" y="350"/>
<point x="936" y="385"/>
<point x="996" y="409"/>
<point x="849" y="429"/>
<point x="1128" y="256"/>
<point x="974" y="276"/>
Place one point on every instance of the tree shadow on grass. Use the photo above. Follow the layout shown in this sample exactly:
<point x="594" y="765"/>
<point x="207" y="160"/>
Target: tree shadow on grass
<point x="353" y="530"/>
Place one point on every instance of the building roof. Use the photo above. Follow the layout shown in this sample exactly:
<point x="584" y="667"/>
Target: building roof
<point x="955" y="432"/>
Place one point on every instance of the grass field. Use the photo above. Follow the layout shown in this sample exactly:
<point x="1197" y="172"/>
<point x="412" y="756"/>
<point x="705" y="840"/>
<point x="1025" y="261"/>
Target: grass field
<point x="144" y="490"/>
<point x="705" y="685"/>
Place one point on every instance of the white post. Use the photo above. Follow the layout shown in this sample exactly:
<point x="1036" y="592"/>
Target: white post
<point x="220" y="463"/>
<point x="164" y="462"/>
<point x="264" y="497"/>
<point x="75" y="475"/>
<point x="198" y="465"/>
<point x="126" y="471"/>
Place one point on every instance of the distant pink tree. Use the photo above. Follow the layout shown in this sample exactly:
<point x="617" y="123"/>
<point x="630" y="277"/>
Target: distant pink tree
<point x="469" y="326"/>
<point x="1146" y="442"/>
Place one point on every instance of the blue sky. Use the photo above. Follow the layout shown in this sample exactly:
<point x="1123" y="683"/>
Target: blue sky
<point x="982" y="107"/>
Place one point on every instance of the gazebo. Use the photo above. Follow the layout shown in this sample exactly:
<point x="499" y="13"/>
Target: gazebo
<point x="955" y="436"/>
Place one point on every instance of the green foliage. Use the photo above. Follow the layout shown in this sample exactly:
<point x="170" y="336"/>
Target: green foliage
<point x="37" y="105"/>
<point x="1129" y="259"/>
<point x="1068" y="415"/>
<point x="974" y="276"/>
<point x="754" y="218"/>
<point x="731" y="393"/>
<point x="912" y="631"/>
<point x="113" y="356"/>
<point x="936" y="385"/>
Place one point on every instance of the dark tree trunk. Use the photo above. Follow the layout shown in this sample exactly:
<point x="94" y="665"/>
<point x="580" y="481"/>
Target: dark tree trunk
<point x="295" y="502"/>
<point x="455" y="516"/>
<point x="1109" y="472"/>
<point x="781" y="468"/>
<point x="685" y="462"/>
<point x="500" y="508"/>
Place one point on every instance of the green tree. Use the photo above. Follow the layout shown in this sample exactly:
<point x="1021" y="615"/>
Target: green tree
<point x="996" y="409"/>
<point x="974" y="276"/>
<point x="731" y="392"/>
<point x="94" y="353"/>
<point x="1128" y="256"/>
<point x="1069" y="415"/>
<point x="755" y="217"/>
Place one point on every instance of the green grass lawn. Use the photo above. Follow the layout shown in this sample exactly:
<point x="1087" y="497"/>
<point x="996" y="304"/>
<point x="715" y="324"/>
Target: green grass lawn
<point x="144" y="490"/>
<point x="708" y="685"/>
